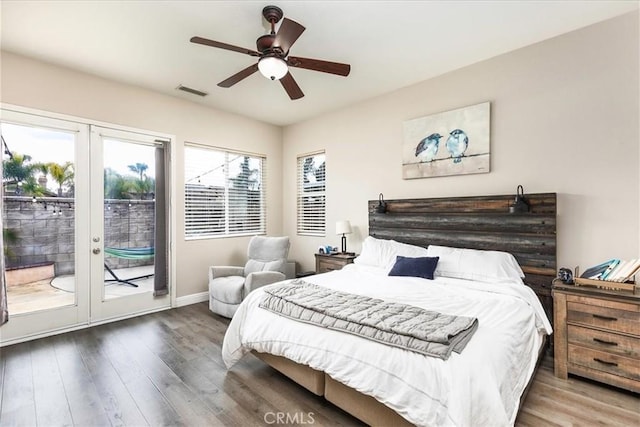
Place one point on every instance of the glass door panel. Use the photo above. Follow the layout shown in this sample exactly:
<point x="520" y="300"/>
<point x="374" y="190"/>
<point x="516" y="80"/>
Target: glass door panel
<point x="42" y="207"/>
<point x="125" y="234"/>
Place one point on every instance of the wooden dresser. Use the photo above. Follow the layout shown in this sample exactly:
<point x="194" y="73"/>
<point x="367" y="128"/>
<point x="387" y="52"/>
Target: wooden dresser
<point x="325" y="263"/>
<point x="597" y="335"/>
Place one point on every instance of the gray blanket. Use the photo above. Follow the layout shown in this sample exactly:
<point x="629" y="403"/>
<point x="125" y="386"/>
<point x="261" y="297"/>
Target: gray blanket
<point x="400" y="325"/>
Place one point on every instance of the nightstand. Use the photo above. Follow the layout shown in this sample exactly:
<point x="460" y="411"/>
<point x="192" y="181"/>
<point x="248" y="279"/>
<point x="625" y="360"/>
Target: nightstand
<point x="597" y="335"/>
<point x="325" y="263"/>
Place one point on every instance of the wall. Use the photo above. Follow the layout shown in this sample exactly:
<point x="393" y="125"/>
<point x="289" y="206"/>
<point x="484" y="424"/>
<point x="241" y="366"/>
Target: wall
<point x="564" y="119"/>
<point x="45" y="231"/>
<point x="42" y="235"/>
<point x="29" y="83"/>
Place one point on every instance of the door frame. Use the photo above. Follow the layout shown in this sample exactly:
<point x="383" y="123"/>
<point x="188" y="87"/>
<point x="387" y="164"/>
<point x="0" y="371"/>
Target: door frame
<point x="30" y="324"/>
<point x="83" y="245"/>
<point x="102" y="309"/>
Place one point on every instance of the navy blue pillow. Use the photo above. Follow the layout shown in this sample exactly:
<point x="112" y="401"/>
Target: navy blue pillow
<point x="415" y="267"/>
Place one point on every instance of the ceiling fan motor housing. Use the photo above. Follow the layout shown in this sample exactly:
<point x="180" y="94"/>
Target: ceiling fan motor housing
<point x="265" y="42"/>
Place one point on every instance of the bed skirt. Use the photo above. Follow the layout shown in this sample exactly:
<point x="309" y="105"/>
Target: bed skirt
<point x="361" y="406"/>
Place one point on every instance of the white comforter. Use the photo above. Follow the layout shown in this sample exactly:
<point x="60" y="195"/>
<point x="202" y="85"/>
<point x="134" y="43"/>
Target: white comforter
<point x="479" y="387"/>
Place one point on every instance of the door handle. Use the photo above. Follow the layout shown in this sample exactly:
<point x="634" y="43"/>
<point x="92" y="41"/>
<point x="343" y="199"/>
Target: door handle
<point x="96" y="251"/>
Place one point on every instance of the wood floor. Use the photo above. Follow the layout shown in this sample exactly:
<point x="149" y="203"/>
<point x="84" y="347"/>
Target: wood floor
<point x="166" y="369"/>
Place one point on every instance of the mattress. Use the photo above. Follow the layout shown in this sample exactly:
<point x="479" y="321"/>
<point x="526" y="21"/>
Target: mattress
<point x="480" y="386"/>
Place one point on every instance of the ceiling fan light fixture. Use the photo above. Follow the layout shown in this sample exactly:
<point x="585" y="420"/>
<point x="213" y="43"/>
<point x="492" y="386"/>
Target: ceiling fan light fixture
<point x="273" y="67"/>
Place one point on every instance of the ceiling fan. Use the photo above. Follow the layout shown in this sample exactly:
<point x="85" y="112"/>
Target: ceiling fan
<point x="273" y="53"/>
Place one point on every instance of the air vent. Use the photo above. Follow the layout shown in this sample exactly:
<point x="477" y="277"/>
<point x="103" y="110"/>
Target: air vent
<point x="192" y="91"/>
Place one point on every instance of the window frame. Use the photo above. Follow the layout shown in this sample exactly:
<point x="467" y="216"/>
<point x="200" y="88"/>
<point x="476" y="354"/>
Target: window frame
<point x="227" y="218"/>
<point x="307" y="226"/>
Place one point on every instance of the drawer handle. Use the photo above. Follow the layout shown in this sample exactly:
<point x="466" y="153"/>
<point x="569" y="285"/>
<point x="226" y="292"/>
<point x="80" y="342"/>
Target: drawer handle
<point x="605" y="342"/>
<point x="605" y="362"/>
<point x="598" y="316"/>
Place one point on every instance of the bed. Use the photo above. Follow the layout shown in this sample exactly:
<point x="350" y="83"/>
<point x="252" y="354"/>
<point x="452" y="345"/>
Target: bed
<point x="382" y="384"/>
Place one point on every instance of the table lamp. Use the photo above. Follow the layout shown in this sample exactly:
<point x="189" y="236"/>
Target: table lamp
<point x="343" y="227"/>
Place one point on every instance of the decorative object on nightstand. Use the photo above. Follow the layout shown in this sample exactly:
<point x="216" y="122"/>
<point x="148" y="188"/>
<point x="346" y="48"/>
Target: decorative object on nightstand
<point x="343" y="227"/>
<point x="597" y="334"/>
<point x="326" y="263"/>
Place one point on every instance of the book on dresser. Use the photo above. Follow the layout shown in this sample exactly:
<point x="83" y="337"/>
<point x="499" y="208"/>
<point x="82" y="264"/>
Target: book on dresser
<point x="629" y="270"/>
<point x="596" y="271"/>
<point x="612" y="266"/>
<point x="611" y="274"/>
<point x="622" y="265"/>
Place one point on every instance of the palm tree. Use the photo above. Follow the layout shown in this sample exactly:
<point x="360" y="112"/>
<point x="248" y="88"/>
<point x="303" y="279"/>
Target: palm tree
<point x="61" y="174"/>
<point x="17" y="170"/>
<point x="144" y="187"/>
<point x="116" y="186"/>
<point x="144" y="184"/>
<point x="139" y="168"/>
<point x="31" y="187"/>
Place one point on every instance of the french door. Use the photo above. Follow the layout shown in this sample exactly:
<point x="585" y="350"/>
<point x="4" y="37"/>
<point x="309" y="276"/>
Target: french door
<point x="128" y="232"/>
<point x="84" y="227"/>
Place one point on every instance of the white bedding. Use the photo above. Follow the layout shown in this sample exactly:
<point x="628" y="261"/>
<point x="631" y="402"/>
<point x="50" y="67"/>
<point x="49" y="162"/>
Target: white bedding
<point x="479" y="387"/>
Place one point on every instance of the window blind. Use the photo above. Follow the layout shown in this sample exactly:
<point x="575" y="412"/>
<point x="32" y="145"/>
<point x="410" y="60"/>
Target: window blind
<point x="224" y="193"/>
<point x="311" y="178"/>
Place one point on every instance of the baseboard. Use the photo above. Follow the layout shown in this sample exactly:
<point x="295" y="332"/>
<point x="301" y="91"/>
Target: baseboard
<point x="192" y="299"/>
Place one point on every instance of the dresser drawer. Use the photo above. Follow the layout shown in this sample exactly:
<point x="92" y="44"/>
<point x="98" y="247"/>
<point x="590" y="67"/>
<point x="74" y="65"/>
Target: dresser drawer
<point x="609" y="318"/>
<point x="328" y="264"/>
<point x="622" y="345"/>
<point x="604" y="362"/>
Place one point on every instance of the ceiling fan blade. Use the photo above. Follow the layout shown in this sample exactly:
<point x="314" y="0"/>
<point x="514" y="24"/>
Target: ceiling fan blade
<point x="239" y="76"/>
<point x="318" y="65"/>
<point x="287" y="34"/>
<point x="292" y="88"/>
<point x="213" y="43"/>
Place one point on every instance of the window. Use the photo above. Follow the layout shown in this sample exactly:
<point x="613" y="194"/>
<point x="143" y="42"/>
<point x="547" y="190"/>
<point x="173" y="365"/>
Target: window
<point x="224" y="193"/>
<point x="311" y="194"/>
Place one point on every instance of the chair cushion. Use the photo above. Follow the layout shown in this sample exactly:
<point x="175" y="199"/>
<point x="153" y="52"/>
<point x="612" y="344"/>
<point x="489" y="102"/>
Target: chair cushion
<point x="227" y="289"/>
<point x="265" y="248"/>
<point x="253" y="266"/>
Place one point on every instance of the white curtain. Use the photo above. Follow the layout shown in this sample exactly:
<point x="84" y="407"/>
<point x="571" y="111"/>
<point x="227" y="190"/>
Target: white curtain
<point x="4" y="313"/>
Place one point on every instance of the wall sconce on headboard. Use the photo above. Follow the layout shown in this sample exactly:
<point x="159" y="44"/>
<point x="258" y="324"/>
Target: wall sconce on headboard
<point x="382" y="205"/>
<point x="520" y="204"/>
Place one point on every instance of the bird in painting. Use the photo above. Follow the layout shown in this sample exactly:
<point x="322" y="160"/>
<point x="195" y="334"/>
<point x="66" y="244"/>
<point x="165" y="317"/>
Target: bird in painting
<point x="428" y="147"/>
<point x="457" y="144"/>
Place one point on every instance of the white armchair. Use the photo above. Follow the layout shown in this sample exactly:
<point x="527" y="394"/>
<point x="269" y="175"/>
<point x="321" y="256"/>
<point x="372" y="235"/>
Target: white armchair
<point x="267" y="264"/>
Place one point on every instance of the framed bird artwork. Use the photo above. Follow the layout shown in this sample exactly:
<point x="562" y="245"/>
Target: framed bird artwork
<point x="455" y="142"/>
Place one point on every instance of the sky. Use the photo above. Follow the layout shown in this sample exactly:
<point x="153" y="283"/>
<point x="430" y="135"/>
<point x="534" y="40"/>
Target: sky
<point x="48" y="145"/>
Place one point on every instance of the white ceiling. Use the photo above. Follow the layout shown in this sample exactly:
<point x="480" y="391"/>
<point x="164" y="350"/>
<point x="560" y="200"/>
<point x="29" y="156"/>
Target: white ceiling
<point x="389" y="44"/>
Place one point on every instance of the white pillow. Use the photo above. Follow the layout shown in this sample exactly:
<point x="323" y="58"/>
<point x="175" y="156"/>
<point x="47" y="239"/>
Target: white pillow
<point x="382" y="253"/>
<point x="473" y="264"/>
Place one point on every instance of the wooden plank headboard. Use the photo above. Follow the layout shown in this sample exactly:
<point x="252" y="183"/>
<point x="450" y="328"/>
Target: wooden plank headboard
<point x="479" y="222"/>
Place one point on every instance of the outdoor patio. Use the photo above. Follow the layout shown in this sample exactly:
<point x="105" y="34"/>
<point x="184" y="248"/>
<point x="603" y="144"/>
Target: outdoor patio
<point x="51" y="292"/>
